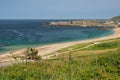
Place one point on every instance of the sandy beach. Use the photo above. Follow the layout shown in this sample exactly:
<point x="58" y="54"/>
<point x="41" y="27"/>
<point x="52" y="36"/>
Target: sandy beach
<point x="47" y="49"/>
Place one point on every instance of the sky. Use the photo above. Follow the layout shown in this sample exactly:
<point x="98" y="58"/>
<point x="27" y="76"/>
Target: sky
<point x="59" y="9"/>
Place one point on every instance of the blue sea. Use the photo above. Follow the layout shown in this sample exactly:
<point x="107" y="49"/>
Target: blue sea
<point x="18" y="34"/>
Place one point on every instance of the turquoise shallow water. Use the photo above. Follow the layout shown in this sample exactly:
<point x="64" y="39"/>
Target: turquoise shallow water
<point x="18" y="34"/>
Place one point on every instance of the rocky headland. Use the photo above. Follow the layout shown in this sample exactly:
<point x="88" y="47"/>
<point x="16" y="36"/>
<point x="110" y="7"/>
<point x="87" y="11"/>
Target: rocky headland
<point x="113" y="22"/>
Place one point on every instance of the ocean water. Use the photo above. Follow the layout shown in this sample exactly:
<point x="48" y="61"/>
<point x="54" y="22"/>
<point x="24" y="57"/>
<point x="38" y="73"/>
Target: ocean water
<point x="18" y="34"/>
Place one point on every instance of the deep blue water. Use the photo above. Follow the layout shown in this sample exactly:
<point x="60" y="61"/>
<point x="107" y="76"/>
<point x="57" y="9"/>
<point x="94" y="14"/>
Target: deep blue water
<point x="16" y="34"/>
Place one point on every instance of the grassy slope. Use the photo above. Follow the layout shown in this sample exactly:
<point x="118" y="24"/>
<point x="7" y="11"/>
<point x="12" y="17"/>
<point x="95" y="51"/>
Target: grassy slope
<point x="92" y="63"/>
<point x="101" y="46"/>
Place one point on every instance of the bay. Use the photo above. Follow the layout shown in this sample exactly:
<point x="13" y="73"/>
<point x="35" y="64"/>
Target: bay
<point x="18" y="34"/>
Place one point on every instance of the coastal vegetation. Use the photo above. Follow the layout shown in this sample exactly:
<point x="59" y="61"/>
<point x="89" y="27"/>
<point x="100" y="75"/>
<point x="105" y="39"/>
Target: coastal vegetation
<point x="100" y="45"/>
<point x="117" y="18"/>
<point x="31" y="54"/>
<point x="90" y="61"/>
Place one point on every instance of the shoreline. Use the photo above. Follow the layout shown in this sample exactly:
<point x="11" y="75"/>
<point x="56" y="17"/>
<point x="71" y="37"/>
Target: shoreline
<point x="47" y="49"/>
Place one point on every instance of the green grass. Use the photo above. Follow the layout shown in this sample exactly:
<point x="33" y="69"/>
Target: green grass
<point x="79" y="50"/>
<point x="102" y="46"/>
<point x="98" y="67"/>
<point x="74" y="47"/>
<point x="105" y="44"/>
<point x="86" y="65"/>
